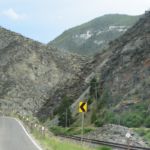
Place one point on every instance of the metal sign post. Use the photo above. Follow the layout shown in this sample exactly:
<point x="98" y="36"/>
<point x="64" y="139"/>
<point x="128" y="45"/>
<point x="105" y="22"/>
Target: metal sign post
<point x="82" y="109"/>
<point x="82" y="131"/>
<point x="66" y="118"/>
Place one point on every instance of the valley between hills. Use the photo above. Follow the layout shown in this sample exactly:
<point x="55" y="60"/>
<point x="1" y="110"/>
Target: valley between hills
<point x="106" y="66"/>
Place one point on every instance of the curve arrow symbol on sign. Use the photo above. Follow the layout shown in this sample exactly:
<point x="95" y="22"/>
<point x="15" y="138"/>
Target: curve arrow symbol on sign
<point x="82" y="107"/>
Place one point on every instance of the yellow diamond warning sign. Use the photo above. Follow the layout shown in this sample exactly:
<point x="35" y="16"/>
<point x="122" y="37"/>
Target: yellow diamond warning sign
<point x="82" y="107"/>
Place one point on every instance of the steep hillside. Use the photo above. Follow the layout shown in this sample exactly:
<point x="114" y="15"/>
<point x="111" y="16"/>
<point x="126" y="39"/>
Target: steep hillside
<point x="128" y="69"/>
<point x="95" y="35"/>
<point x="123" y="81"/>
<point x="30" y="72"/>
<point x="125" y="78"/>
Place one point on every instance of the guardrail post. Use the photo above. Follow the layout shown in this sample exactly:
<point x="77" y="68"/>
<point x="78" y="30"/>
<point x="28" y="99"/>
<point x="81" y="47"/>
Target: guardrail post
<point x="128" y="136"/>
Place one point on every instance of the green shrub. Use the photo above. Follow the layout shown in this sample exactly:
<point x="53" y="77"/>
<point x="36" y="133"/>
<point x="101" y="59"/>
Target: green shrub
<point x="104" y="99"/>
<point x="90" y="100"/>
<point x="104" y="148"/>
<point x="140" y="131"/>
<point x="87" y="130"/>
<point x="111" y="117"/>
<point x="147" y="136"/>
<point x="144" y="133"/>
<point x="147" y="122"/>
<point x="99" y="123"/>
<point x="93" y="117"/>
<point x="132" y="120"/>
<point x="57" y="130"/>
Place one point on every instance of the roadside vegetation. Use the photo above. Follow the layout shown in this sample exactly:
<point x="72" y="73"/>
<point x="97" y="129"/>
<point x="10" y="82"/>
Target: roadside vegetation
<point x="104" y="111"/>
<point x="69" y="131"/>
<point x="145" y="133"/>
<point x="103" y="148"/>
<point x="101" y="111"/>
<point x="63" y="110"/>
<point x="50" y="142"/>
<point x="53" y="143"/>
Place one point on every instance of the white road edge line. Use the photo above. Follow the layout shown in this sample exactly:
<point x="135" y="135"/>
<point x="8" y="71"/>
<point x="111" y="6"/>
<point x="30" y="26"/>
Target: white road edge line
<point x="29" y="136"/>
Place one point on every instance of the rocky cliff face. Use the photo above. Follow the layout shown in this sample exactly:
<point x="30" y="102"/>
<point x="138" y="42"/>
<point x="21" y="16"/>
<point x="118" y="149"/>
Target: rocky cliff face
<point x="30" y="72"/>
<point x="127" y="72"/>
<point x="123" y="70"/>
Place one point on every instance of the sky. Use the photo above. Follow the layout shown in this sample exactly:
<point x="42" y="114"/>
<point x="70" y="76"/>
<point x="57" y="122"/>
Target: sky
<point x="44" y="20"/>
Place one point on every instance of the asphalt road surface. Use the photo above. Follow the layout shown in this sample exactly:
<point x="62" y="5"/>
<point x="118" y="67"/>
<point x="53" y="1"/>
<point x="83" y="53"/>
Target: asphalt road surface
<point x="14" y="137"/>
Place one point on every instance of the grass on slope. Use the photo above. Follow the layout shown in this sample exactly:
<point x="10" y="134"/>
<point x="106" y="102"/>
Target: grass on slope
<point x="53" y="143"/>
<point x="145" y="133"/>
<point x="69" y="131"/>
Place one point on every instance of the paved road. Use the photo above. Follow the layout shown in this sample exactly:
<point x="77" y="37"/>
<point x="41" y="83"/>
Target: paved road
<point x="13" y="136"/>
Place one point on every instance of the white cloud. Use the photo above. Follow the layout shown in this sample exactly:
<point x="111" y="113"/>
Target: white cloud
<point x="13" y="15"/>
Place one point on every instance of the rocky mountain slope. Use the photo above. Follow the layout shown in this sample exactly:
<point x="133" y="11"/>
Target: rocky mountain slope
<point x="127" y="71"/>
<point x="95" y="35"/>
<point x="35" y="77"/>
<point x="30" y="72"/>
<point x="125" y="78"/>
<point x="116" y="134"/>
<point x="123" y="71"/>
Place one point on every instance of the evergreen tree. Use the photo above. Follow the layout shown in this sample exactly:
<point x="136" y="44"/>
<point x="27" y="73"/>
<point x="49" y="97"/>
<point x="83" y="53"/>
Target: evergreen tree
<point x="93" y="116"/>
<point x="65" y="118"/>
<point x="94" y="88"/>
<point x="64" y="113"/>
<point x="105" y="99"/>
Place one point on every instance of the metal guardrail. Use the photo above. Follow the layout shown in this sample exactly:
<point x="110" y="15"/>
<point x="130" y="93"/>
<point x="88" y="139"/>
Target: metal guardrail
<point x="111" y="144"/>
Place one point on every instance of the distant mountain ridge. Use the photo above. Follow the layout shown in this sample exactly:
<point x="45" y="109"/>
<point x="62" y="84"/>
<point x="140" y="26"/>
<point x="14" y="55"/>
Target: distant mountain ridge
<point x="93" y="36"/>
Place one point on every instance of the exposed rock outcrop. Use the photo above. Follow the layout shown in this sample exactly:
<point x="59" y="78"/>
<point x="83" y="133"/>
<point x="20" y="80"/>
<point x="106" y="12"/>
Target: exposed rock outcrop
<point x="31" y="72"/>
